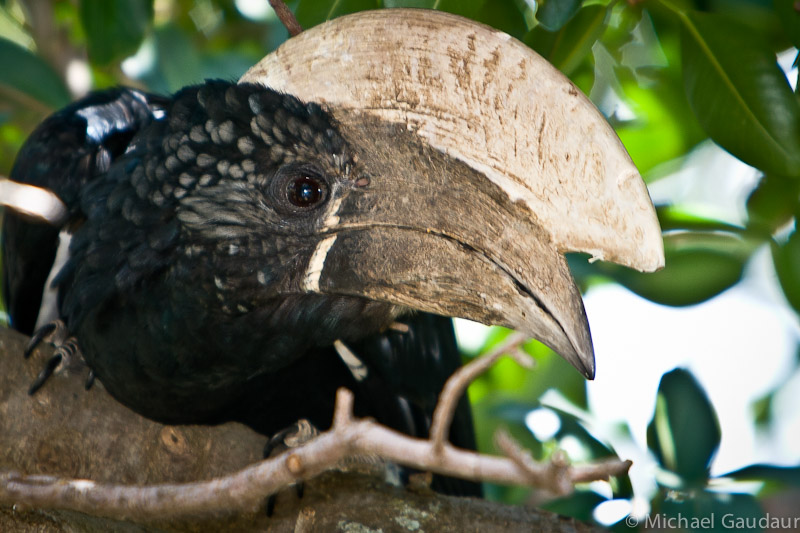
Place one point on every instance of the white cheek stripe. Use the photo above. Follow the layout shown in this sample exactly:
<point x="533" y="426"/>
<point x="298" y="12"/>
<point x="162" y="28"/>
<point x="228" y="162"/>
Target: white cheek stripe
<point x="333" y="218"/>
<point x="317" y="263"/>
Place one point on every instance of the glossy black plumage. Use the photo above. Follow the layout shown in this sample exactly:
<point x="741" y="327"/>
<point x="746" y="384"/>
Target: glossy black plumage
<point x="66" y="151"/>
<point x="185" y="261"/>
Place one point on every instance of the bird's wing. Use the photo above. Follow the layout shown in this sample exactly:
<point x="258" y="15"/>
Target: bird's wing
<point x="69" y="149"/>
<point x="398" y="385"/>
<point x="414" y="366"/>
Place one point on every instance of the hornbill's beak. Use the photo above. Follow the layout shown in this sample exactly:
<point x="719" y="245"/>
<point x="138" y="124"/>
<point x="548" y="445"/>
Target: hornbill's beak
<point x="431" y="233"/>
<point x="482" y="165"/>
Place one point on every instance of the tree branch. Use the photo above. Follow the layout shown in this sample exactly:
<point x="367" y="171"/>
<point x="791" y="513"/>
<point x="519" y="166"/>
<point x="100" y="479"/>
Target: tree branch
<point x="457" y="383"/>
<point x="286" y="16"/>
<point x="246" y="489"/>
<point x="243" y="491"/>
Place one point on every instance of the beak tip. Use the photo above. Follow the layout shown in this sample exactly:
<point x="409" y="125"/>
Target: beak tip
<point x="580" y="354"/>
<point x="584" y="363"/>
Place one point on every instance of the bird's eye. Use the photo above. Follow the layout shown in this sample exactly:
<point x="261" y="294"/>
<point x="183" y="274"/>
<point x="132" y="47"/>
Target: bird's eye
<point x="306" y="191"/>
<point x="296" y="189"/>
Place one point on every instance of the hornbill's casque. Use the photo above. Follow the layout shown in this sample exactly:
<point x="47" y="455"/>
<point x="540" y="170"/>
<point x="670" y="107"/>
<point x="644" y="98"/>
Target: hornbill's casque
<point x="222" y="239"/>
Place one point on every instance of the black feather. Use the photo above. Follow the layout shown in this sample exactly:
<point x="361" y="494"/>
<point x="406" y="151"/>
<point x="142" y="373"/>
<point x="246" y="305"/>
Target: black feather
<point x="181" y="264"/>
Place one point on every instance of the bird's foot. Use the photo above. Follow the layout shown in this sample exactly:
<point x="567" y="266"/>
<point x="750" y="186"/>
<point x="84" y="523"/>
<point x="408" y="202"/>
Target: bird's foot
<point x="54" y="332"/>
<point x="67" y="353"/>
<point x="293" y="436"/>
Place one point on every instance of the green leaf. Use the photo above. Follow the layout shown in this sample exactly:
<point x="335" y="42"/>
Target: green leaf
<point x="699" y="265"/>
<point x="704" y="511"/>
<point x="578" y="505"/>
<point x="772" y="203"/>
<point x="504" y="15"/>
<point x="12" y="29"/>
<point x="684" y="433"/>
<point x="114" y="30"/>
<point x="492" y="413"/>
<point x="312" y="12"/>
<point x="426" y="4"/>
<point x="228" y="65"/>
<point x="787" y="475"/>
<point x="787" y="265"/>
<point x="569" y="46"/>
<point x="789" y="15"/>
<point x="665" y="128"/>
<point x="31" y="76"/>
<point x="553" y="14"/>
<point x="508" y="381"/>
<point x="739" y="94"/>
<point x="465" y="8"/>
<point x="178" y="61"/>
<point x="674" y="218"/>
<point x="572" y="426"/>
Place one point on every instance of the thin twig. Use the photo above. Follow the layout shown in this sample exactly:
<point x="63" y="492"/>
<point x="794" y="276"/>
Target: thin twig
<point x="286" y="16"/>
<point x="457" y="383"/>
<point x="601" y="470"/>
<point x="343" y="409"/>
<point x="522" y="358"/>
<point x="555" y="474"/>
<point x="246" y="489"/>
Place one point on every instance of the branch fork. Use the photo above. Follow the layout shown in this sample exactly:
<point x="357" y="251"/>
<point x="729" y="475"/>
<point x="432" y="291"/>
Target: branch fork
<point x="348" y="437"/>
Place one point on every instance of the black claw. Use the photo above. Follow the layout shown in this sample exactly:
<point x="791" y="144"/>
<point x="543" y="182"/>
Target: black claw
<point x="38" y="336"/>
<point x="70" y="348"/>
<point x="46" y="372"/>
<point x="277" y="440"/>
<point x="268" y="447"/>
<point x="89" y="380"/>
<point x="269" y="506"/>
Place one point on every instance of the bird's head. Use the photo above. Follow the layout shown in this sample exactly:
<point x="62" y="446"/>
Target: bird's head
<point x="448" y="183"/>
<point x="481" y="164"/>
<point x="295" y="206"/>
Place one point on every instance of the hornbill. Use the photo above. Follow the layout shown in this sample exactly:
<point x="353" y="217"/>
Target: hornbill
<point x="239" y="252"/>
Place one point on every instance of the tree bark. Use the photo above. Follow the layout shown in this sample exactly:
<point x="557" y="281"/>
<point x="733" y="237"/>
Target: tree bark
<point x="66" y="431"/>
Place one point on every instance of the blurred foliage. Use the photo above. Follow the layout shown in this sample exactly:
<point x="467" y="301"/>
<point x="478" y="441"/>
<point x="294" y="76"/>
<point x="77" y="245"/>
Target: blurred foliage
<point x="669" y="74"/>
<point x="684" y="433"/>
<point x="114" y="29"/>
<point x="33" y="78"/>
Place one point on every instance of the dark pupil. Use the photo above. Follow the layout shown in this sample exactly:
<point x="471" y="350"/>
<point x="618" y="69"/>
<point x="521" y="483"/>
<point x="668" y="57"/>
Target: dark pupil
<point x="305" y="191"/>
